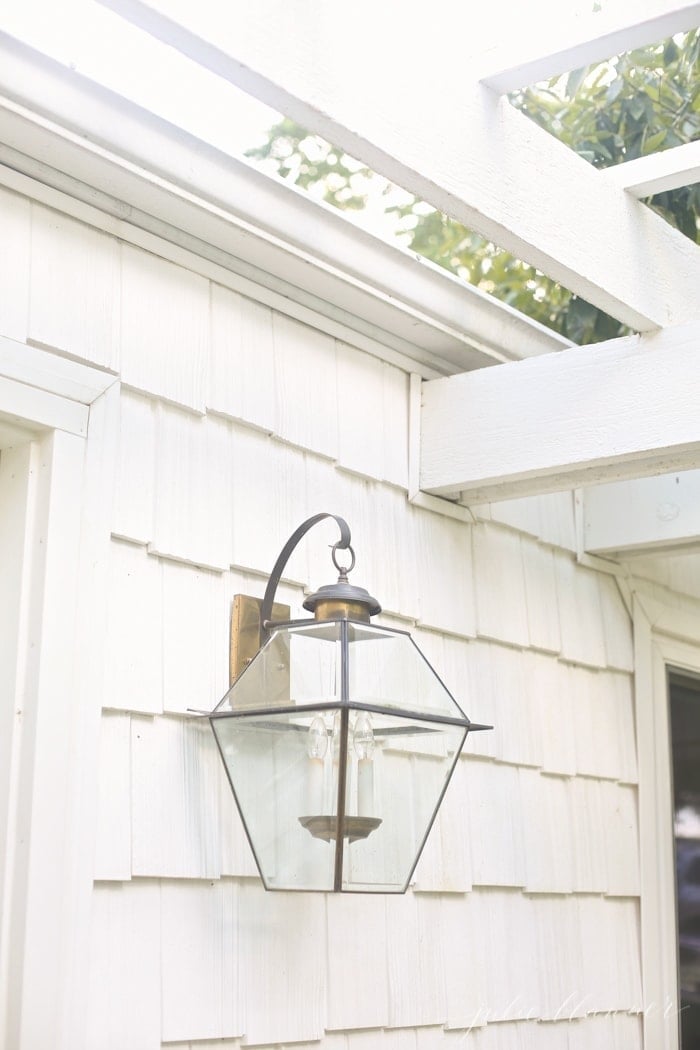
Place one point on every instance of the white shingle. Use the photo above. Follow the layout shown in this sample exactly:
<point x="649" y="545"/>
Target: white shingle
<point x="444" y="573"/>
<point x="200" y="960"/>
<point x="414" y="960"/>
<point x="113" y="833"/>
<point x="507" y="945"/>
<point x="610" y="946"/>
<point x="190" y="637"/>
<point x="175" y="790"/>
<point x="493" y="823"/>
<point x="547" y="833"/>
<point x="360" y="412"/>
<point x="617" y="625"/>
<point x="395" y="424"/>
<point x="124" y="987"/>
<point x="559" y="961"/>
<point x="474" y="659"/>
<point x="194" y="483"/>
<point x="164" y="328"/>
<point x="136" y="466"/>
<point x="236" y="855"/>
<point x="581" y="621"/>
<point x="620" y="821"/>
<point x="596" y="723"/>
<point x="557" y="520"/>
<point x="589" y="835"/>
<point x="133" y="678"/>
<point x="504" y="700"/>
<point x="622" y="689"/>
<point x="549" y="698"/>
<point x="283" y="980"/>
<point x="465" y="980"/>
<point x="501" y="609"/>
<point x="445" y="864"/>
<point x="241" y="370"/>
<point x="541" y="596"/>
<point x="305" y="386"/>
<point x="357" y="987"/>
<point x="75" y="288"/>
<point x="15" y="221"/>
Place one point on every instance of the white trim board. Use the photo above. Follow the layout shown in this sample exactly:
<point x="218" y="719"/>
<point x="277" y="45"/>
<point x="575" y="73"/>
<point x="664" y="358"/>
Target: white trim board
<point x="663" y="637"/>
<point x="482" y="162"/>
<point x="56" y="609"/>
<point x="614" y="411"/>
<point x="40" y="390"/>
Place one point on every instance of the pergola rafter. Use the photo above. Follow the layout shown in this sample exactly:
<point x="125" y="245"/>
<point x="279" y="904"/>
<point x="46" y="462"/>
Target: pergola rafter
<point x="657" y="172"/>
<point x="473" y="157"/>
<point x="565" y="43"/>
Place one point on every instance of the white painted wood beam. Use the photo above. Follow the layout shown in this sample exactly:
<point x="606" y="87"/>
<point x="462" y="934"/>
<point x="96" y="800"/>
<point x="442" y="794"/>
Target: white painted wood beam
<point x="633" y="517"/>
<point x="620" y="410"/>
<point x="658" y="172"/>
<point x="463" y="150"/>
<point x="566" y="43"/>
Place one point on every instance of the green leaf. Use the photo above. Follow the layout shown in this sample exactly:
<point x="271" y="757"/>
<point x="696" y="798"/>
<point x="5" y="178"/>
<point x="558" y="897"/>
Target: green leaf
<point x="654" y="142"/>
<point x="574" y="80"/>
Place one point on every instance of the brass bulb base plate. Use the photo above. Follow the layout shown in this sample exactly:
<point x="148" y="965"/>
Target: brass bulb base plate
<point x="354" y="828"/>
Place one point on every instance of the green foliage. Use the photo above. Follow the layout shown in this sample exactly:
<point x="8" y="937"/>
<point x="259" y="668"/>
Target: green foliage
<point x="638" y="103"/>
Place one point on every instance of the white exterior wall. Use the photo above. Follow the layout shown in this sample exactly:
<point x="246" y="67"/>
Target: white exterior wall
<point x="234" y="424"/>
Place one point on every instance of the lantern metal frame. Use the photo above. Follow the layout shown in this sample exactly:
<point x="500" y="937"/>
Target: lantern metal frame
<point x="346" y="607"/>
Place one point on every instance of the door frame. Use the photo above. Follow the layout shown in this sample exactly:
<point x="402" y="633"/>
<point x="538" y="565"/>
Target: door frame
<point x="664" y="637"/>
<point x="59" y="425"/>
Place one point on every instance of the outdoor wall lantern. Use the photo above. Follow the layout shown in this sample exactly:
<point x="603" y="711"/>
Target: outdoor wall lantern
<point x="338" y="738"/>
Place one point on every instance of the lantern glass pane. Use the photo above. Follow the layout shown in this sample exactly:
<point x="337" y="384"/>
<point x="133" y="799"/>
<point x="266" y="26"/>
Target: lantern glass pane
<point x="389" y="670"/>
<point x="280" y="777"/>
<point x="397" y="771"/>
<point x="298" y="665"/>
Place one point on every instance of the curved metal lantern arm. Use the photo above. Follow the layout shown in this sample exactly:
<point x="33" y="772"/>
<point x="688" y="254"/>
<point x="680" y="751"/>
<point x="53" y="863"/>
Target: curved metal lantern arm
<point x="268" y="599"/>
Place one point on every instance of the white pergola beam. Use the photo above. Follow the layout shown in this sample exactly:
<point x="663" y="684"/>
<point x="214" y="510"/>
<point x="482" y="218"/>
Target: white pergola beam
<point x="620" y="410"/>
<point x="658" y="172"/>
<point x="645" y="514"/>
<point x="566" y="43"/>
<point x="468" y="153"/>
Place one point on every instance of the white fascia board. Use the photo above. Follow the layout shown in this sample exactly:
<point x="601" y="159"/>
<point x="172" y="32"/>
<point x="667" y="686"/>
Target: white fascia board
<point x="453" y="143"/>
<point x="149" y="174"/>
<point x="566" y="43"/>
<point x="668" y="170"/>
<point x="616" y="411"/>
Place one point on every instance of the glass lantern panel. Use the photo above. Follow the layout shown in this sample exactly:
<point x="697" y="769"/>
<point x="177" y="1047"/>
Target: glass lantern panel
<point x="397" y="771"/>
<point x="283" y="769"/>
<point x="297" y="665"/>
<point x="389" y="670"/>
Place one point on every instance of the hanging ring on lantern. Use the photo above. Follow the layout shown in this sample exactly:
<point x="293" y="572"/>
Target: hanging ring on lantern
<point x="343" y="570"/>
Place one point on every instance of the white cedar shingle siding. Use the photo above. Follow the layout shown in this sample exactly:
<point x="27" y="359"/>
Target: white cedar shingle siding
<point x="236" y="423"/>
